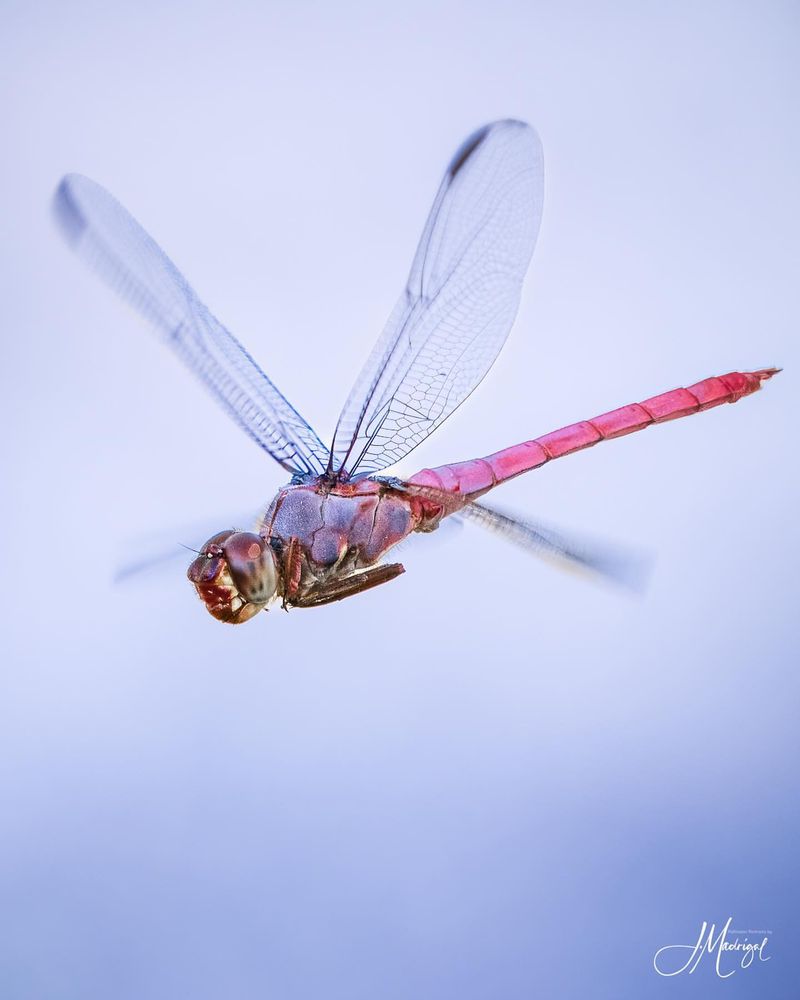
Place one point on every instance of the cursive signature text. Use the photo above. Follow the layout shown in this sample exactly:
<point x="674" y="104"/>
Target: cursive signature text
<point x="745" y="951"/>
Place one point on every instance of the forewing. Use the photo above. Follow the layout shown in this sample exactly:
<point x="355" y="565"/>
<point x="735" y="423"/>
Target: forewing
<point x="459" y="303"/>
<point x="102" y="232"/>
<point x="144" y="553"/>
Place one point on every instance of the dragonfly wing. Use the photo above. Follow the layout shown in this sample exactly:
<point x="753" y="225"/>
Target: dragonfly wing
<point x="102" y="232"/>
<point x="144" y="553"/>
<point x="459" y="303"/>
<point x="625" y="567"/>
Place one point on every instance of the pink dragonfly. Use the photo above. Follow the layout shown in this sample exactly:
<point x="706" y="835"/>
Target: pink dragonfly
<point x="324" y="535"/>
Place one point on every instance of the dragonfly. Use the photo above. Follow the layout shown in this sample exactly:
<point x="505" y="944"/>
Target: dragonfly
<point x="325" y="535"/>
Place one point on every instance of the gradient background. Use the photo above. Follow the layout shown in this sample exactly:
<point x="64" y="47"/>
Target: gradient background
<point x="489" y="779"/>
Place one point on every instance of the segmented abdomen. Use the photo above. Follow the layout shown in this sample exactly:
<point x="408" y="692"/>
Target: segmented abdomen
<point x="471" y="479"/>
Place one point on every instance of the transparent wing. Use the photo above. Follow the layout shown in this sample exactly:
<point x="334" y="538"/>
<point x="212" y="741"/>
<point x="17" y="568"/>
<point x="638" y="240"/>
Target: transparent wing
<point x="145" y="553"/>
<point x="102" y="232"/>
<point x="459" y="303"/>
<point x="624" y="567"/>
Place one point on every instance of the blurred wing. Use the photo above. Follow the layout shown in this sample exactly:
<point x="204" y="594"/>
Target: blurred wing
<point x="458" y="306"/>
<point x="622" y="566"/>
<point x="143" y="554"/>
<point x="101" y="231"/>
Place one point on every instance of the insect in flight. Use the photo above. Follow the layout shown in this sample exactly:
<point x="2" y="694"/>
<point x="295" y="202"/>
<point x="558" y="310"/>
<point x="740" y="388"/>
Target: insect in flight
<point x="324" y="535"/>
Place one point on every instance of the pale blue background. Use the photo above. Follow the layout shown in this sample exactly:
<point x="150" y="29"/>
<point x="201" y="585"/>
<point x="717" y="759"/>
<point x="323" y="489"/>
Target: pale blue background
<point x="487" y="780"/>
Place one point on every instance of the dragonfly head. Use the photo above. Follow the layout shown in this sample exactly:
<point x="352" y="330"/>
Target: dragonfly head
<point x="236" y="575"/>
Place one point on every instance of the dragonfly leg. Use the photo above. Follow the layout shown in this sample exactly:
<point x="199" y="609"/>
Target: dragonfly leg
<point x="292" y="571"/>
<point x="337" y="590"/>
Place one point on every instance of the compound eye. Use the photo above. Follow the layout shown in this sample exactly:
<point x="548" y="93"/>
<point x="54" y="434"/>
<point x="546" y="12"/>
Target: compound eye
<point x="251" y="563"/>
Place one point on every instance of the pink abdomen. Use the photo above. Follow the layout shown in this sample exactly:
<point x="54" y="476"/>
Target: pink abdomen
<point x="470" y="479"/>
